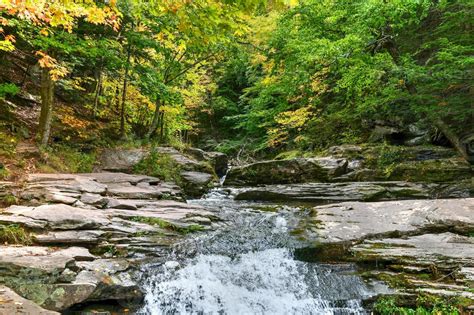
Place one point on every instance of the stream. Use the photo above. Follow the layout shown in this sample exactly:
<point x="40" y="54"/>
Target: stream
<point x="248" y="266"/>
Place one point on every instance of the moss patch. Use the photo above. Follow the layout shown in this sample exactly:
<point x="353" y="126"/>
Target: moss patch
<point x="14" y="234"/>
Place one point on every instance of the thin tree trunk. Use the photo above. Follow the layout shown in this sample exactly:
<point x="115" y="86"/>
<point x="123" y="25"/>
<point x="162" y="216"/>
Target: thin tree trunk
<point x="98" y="90"/>
<point x="117" y="97"/>
<point x="124" y="94"/>
<point x="156" y="120"/>
<point x="47" y="99"/>
<point x="162" y="125"/>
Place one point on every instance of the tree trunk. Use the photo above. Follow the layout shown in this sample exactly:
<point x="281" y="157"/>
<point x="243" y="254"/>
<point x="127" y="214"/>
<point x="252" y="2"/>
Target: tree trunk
<point x="162" y="125"/>
<point x="47" y="98"/>
<point x="452" y="137"/>
<point x="98" y="89"/>
<point x="124" y="94"/>
<point x="156" y="120"/>
<point x="117" y="97"/>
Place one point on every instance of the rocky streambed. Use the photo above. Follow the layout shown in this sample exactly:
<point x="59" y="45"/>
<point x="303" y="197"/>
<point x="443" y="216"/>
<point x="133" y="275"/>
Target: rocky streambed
<point x="298" y="236"/>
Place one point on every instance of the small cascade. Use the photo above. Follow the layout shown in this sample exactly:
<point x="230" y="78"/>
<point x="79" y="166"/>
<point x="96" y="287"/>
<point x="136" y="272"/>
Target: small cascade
<point x="248" y="267"/>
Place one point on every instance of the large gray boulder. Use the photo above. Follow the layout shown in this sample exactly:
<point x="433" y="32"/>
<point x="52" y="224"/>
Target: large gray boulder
<point x="120" y="159"/>
<point x="298" y="170"/>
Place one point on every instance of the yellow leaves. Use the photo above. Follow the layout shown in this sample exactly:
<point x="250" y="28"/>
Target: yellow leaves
<point x="288" y="121"/>
<point x="6" y="45"/>
<point x="294" y="119"/>
<point x="57" y="71"/>
<point x="95" y="15"/>
<point x="60" y="13"/>
<point x="268" y="80"/>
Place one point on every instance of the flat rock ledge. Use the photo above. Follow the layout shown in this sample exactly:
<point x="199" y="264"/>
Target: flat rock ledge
<point x="351" y="191"/>
<point x="416" y="246"/>
<point x="86" y="235"/>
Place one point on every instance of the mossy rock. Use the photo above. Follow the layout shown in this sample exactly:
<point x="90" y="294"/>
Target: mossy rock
<point x="442" y="170"/>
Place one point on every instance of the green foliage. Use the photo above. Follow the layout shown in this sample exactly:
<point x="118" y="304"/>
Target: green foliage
<point x="427" y="305"/>
<point x="8" y="199"/>
<point x="4" y="173"/>
<point x="330" y="67"/>
<point x="8" y="89"/>
<point x="158" y="165"/>
<point x="14" y="234"/>
<point x="63" y="158"/>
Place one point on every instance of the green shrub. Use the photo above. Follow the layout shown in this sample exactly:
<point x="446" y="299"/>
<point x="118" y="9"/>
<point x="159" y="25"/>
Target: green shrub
<point x="426" y="305"/>
<point x="9" y="200"/>
<point x="8" y="89"/>
<point x="14" y="234"/>
<point x="63" y="158"/>
<point x="158" y="165"/>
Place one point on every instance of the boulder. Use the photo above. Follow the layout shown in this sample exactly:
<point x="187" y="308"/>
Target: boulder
<point x="195" y="184"/>
<point x="12" y="303"/>
<point x="219" y="161"/>
<point x="110" y="278"/>
<point x="347" y="191"/>
<point x="298" y="170"/>
<point x="120" y="159"/>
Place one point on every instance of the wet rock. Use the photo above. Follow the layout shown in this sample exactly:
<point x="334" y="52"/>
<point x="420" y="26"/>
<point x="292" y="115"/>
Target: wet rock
<point x="287" y="171"/>
<point x="368" y="191"/>
<point x="355" y="221"/>
<point x="12" y="303"/>
<point x="196" y="183"/>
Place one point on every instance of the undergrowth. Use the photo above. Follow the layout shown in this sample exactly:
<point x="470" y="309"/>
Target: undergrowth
<point x="14" y="234"/>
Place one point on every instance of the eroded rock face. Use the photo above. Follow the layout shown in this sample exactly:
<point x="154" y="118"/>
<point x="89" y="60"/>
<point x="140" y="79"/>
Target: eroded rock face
<point x="357" y="191"/>
<point x="286" y="171"/>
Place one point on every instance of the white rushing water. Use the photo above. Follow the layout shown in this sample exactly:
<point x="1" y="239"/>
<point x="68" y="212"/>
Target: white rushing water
<point x="245" y="269"/>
